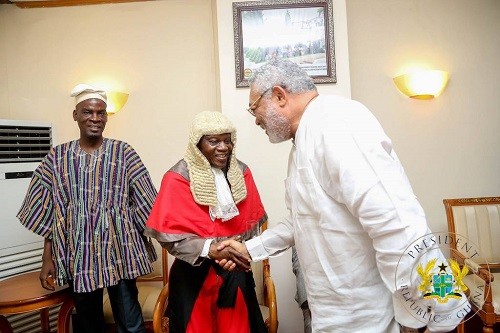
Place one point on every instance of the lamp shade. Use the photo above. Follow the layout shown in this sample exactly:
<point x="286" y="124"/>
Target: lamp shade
<point x="116" y="100"/>
<point x="424" y="84"/>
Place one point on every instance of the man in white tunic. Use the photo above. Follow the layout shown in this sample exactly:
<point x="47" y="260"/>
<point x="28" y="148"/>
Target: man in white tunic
<point x="352" y="210"/>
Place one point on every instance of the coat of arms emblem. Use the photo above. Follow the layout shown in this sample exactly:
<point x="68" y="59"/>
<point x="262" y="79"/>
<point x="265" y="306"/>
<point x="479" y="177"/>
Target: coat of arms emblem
<point x="442" y="285"/>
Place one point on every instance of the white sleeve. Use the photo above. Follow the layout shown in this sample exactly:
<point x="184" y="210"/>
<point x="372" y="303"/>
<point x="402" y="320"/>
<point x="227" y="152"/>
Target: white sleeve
<point x="206" y="248"/>
<point x="272" y="242"/>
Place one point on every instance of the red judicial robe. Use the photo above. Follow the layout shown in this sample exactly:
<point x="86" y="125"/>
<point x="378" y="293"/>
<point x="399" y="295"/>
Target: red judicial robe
<point x="182" y="226"/>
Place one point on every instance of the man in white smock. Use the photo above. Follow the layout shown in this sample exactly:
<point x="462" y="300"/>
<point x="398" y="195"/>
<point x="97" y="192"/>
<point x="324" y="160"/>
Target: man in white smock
<point x="352" y="209"/>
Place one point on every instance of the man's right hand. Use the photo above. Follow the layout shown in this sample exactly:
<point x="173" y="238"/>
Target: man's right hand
<point x="47" y="275"/>
<point x="48" y="268"/>
<point x="227" y="253"/>
<point x="235" y="247"/>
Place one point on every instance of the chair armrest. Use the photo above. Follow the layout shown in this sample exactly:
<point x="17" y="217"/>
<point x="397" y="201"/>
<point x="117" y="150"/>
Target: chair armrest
<point x="64" y="315"/>
<point x="476" y="268"/>
<point x="480" y="271"/>
<point x="270" y="298"/>
<point x="160" y="323"/>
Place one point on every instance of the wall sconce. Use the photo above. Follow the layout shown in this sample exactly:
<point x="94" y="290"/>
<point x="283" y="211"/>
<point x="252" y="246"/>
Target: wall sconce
<point x="425" y="84"/>
<point x="116" y="100"/>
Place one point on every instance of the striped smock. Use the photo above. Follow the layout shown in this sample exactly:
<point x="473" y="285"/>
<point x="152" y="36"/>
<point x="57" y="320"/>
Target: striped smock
<point x="94" y="207"/>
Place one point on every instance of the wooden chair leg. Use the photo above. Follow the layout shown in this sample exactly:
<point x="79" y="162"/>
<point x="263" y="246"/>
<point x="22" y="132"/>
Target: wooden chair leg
<point x="44" y="320"/>
<point x="5" y="325"/>
<point x="64" y="316"/>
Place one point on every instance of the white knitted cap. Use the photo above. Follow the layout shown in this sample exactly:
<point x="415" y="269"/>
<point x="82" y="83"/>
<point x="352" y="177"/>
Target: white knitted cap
<point x="84" y="91"/>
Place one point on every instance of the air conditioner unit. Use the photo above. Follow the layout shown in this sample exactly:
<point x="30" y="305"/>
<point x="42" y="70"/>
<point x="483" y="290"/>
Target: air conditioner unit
<point x="23" y="144"/>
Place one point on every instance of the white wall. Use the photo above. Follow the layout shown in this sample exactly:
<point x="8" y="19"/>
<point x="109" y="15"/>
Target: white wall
<point x="449" y="145"/>
<point x="269" y="162"/>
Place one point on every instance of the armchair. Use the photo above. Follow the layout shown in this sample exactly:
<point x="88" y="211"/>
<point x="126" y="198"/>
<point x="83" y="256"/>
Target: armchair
<point x="478" y="220"/>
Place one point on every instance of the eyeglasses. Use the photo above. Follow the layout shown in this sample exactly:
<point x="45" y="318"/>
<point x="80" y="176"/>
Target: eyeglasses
<point x="253" y="106"/>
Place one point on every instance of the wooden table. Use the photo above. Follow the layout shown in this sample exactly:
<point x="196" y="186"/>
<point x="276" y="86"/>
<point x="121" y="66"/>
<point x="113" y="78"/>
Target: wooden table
<point x="23" y="293"/>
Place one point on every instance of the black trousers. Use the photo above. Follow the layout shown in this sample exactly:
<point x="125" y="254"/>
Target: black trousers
<point x="124" y="303"/>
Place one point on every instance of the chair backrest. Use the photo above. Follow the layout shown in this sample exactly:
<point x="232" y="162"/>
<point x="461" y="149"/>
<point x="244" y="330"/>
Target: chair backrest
<point x="478" y="220"/>
<point x="258" y="276"/>
<point x="259" y="270"/>
<point x="265" y="290"/>
<point x="160" y="266"/>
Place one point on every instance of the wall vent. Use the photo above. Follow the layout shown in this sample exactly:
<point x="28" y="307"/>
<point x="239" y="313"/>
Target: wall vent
<point x="24" y="143"/>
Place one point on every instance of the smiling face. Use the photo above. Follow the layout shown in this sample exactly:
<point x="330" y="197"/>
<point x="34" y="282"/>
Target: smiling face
<point x="217" y="149"/>
<point x="91" y="117"/>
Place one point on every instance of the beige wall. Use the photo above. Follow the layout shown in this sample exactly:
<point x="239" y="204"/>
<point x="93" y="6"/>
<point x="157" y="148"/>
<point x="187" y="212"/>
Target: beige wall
<point x="4" y="93"/>
<point x="161" y="52"/>
<point x="450" y="145"/>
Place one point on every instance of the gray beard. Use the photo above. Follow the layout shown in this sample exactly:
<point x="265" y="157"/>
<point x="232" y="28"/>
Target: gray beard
<point x="277" y="126"/>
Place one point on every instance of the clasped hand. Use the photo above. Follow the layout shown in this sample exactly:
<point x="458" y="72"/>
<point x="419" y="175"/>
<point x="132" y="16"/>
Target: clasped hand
<point x="231" y="254"/>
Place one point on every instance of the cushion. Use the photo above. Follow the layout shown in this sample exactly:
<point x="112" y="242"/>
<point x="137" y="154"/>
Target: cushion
<point x="148" y="295"/>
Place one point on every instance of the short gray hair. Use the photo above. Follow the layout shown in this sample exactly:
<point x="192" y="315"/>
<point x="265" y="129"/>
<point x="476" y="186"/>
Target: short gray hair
<point x="283" y="73"/>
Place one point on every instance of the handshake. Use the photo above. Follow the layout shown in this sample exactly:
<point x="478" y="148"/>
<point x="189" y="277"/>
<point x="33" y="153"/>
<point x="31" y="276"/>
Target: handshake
<point x="230" y="254"/>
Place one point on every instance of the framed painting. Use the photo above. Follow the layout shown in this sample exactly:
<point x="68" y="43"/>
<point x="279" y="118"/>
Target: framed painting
<point x="298" y="30"/>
